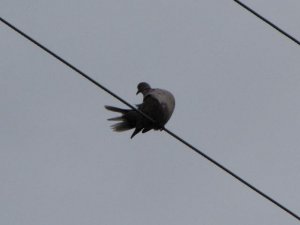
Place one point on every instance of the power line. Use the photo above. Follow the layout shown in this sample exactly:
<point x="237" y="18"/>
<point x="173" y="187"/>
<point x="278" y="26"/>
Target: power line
<point x="268" y="22"/>
<point x="165" y="129"/>
<point x="72" y="67"/>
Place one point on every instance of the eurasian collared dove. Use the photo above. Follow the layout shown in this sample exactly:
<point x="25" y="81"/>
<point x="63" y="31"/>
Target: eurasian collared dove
<point x="158" y="104"/>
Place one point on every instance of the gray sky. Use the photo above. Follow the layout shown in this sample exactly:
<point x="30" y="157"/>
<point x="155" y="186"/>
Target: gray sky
<point x="236" y="83"/>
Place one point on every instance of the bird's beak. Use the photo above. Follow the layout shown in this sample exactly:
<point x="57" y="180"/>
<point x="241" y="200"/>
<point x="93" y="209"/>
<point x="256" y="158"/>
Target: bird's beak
<point x="138" y="92"/>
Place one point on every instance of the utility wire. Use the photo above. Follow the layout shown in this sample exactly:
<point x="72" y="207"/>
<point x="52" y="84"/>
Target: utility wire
<point x="165" y="129"/>
<point x="268" y="22"/>
<point x="72" y="67"/>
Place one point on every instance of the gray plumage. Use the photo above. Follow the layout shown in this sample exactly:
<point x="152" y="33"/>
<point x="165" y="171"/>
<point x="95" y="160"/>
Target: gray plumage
<point x="158" y="104"/>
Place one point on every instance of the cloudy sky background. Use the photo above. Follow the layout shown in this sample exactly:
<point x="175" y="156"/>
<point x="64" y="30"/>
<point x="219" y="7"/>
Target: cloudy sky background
<point x="236" y="82"/>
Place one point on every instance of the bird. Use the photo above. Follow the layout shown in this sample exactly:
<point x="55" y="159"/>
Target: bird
<point x="158" y="104"/>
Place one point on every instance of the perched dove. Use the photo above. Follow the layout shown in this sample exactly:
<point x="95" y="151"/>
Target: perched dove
<point x="158" y="104"/>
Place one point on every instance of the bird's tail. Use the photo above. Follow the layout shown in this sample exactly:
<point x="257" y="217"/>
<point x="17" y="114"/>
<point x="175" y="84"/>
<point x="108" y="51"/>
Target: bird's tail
<point x="127" y="119"/>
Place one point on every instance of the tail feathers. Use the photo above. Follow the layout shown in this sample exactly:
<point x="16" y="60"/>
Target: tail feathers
<point x="115" y="109"/>
<point x="119" y="118"/>
<point x="127" y="120"/>
<point x="122" y="126"/>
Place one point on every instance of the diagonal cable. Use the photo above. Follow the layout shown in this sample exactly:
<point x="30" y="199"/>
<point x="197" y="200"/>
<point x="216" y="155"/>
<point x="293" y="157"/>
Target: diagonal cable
<point x="73" y="67"/>
<point x="146" y="116"/>
<point x="268" y="22"/>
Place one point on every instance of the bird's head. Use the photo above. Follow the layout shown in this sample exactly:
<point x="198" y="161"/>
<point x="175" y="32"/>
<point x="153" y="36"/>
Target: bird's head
<point x="143" y="87"/>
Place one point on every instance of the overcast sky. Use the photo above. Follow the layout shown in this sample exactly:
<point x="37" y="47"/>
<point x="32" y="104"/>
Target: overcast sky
<point x="236" y="82"/>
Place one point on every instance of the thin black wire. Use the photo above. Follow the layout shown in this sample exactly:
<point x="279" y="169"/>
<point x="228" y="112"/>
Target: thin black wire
<point x="234" y="175"/>
<point x="165" y="129"/>
<point x="268" y="22"/>
<point x="72" y="67"/>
